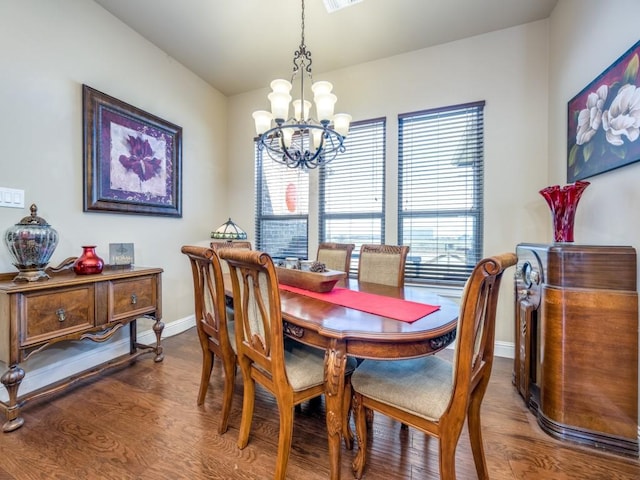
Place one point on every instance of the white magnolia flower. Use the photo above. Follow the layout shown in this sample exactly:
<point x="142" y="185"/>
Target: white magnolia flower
<point x="590" y="118"/>
<point x="623" y="116"/>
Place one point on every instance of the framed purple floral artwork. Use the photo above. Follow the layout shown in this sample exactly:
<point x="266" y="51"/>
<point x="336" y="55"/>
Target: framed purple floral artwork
<point x="604" y="120"/>
<point x="132" y="159"/>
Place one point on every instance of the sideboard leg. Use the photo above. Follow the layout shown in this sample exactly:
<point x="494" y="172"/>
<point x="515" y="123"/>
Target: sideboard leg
<point x="133" y="336"/>
<point x="157" y="328"/>
<point x="11" y="379"/>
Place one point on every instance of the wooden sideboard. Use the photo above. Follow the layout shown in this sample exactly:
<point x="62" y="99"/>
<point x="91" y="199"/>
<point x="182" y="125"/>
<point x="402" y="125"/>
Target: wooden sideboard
<point x="36" y="315"/>
<point x="576" y="359"/>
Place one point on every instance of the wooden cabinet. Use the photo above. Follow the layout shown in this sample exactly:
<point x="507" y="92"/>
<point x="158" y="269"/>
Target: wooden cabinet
<point x="35" y="315"/>
<point x="576" y="362"/>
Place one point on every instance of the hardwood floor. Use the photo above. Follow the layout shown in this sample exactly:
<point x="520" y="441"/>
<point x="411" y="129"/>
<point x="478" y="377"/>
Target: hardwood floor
<point x="142" y="422"/>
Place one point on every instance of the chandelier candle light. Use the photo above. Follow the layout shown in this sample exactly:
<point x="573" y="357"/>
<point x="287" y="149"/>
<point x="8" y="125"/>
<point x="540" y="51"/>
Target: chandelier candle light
<point x="301" y="141"/>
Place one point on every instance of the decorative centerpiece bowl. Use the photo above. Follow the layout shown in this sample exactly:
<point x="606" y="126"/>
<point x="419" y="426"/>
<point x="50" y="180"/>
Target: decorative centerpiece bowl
<point x="31" y="242"/>
<point x="321" y="282"/>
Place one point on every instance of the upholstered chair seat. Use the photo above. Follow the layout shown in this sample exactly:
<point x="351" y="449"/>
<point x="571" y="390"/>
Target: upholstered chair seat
<point x="420" y="386"/>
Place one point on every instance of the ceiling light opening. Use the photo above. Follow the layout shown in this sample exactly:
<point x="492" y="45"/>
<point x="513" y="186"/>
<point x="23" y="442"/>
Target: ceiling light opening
<point x="335" y="5"/>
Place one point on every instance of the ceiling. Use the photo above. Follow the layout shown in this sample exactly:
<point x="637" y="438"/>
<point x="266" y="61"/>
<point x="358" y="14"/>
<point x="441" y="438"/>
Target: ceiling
<point x="241" y="45"/>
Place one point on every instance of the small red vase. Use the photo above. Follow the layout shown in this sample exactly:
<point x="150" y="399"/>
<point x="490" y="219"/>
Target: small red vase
<point x="563" y="202"/>
<point x="88" y="263"/>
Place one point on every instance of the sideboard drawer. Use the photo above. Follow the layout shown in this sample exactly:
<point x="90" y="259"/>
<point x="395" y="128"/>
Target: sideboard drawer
<point x="50" y="314"/>
<point x="137" y="295"/>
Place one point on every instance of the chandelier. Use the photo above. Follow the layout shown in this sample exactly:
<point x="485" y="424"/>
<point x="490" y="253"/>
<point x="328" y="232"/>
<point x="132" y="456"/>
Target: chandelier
<point x="301" y="141"/>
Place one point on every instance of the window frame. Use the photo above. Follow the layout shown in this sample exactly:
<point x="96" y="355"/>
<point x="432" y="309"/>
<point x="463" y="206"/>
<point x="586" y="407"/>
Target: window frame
<point x="435" y="273"/>
<point x="375" y="127"/>
<point x="262" y="219"/>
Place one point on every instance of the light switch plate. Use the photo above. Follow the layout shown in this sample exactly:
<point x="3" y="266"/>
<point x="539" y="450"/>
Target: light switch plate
<point x="11" y="197"/>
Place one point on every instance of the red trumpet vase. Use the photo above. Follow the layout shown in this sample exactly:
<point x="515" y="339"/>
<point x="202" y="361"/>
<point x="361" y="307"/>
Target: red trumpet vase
<point x="563" y="202"/>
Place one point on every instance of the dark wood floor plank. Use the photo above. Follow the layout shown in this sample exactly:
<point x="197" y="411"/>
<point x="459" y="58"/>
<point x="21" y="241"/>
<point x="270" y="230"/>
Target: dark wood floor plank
<point x="142" y="422"/>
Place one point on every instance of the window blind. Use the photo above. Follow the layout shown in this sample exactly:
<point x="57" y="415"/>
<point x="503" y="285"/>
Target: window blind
<point x="440" y="192"/>
<point x="282" y="208"/>
<point x="351" y="189"/>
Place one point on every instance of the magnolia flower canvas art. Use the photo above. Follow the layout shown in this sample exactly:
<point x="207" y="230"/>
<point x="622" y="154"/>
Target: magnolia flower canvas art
<point x="604" y="120"/>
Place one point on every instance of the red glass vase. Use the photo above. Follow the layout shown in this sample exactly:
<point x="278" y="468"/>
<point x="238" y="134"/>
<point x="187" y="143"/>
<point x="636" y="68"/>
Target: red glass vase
<point x="563" y="202"/>
<point x="89" y="262"/>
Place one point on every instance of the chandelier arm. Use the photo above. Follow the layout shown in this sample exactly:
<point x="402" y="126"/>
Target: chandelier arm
<point x="331" y="143"/>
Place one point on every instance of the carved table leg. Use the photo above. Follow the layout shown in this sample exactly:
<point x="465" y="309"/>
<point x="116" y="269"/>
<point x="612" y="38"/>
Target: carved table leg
<point x="334" y="367"/>
<point x="157" y="328"/>
<point x="11" y="379"/>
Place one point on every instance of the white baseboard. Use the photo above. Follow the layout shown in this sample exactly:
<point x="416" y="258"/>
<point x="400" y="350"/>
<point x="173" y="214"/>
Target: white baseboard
<point x="500" y="349"/>
<point x="68" y="359"/>
<point x="504" y="349"/>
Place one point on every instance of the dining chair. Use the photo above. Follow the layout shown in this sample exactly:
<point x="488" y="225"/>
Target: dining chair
<point x="383" y="264"/>
<point x="216" y="246"/>
<point x="291" y="371"/>
<point x="243" y="244"/>
<point x="432" y="394"/>
<point x="216" y="334"/>
<point x="336" y="256"/>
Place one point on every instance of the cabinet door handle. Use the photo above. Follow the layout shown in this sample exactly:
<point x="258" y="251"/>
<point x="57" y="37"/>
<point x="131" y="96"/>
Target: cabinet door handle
<point x="61" y="315"/>
<point x="134" y="299"/>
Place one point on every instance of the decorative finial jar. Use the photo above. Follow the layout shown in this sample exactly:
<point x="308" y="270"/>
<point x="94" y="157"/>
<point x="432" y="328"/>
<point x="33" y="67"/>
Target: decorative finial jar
<point x="31" y="242"/>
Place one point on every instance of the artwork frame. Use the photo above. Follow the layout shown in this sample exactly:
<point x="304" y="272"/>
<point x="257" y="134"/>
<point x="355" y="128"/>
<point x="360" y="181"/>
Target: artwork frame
<point x="132" y="159"/>
<point x="603" y="127"/>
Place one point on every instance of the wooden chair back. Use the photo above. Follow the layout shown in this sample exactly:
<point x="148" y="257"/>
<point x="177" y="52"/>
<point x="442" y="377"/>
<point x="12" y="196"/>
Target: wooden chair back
<point x="446" y="392"/>
<point x="335" y="256"/>
<point x="217" y="246"/>
<point x="216" y="339"/>
<point x="383" y="264"/>
<point x="259" y="318"/>
<point x="246" y="245"/>
<point x="293" y="376"/>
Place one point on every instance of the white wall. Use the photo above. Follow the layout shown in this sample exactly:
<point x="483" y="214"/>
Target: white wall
<point x="507" y="69"/>
<point x="49" y="49"/>
<point x="586" y="37"/>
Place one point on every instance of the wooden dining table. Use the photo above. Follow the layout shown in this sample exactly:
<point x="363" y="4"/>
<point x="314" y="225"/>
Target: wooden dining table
<point x="345" y="331"/>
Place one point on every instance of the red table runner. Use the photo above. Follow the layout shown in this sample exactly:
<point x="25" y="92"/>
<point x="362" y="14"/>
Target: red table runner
<point x="396" y="308"/>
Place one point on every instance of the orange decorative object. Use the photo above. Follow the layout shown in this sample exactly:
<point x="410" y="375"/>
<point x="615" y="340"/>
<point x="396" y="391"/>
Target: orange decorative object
<point x="291" y="197"/>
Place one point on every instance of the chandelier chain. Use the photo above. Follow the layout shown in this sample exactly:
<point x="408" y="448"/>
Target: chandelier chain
<point x="302" y="26"/>
<point x="300" y="141"/>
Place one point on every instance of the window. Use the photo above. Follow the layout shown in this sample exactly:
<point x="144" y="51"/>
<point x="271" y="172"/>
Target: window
<point x="440" y="192"/>
<point x="351" y="191"/>
<point x="282" y="209"/>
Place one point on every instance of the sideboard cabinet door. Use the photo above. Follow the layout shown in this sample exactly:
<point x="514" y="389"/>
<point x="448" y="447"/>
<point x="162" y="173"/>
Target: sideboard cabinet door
<point x="578" y="371"/>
